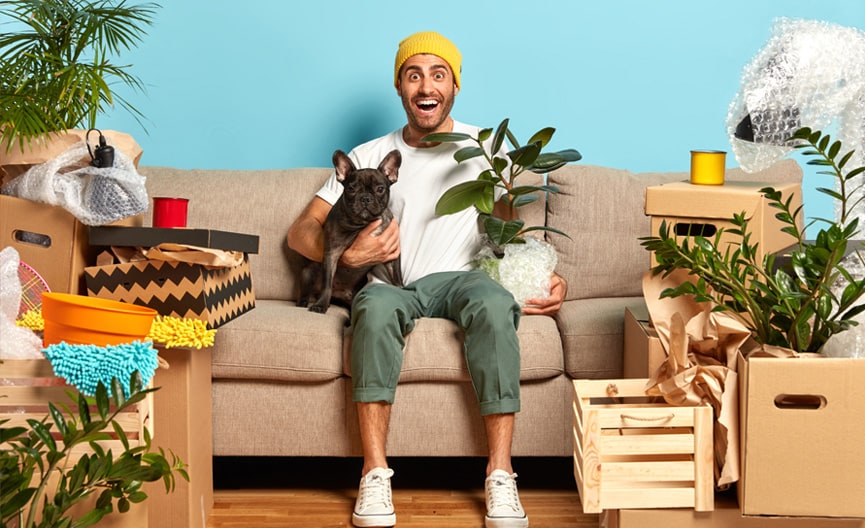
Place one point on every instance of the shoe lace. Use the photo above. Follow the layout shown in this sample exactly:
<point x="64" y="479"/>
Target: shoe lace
<point x="502" y="491"/>
<point x="375" y="489"/>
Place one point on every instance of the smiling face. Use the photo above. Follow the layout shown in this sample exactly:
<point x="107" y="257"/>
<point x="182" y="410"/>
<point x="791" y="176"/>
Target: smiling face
<point x="427" y="89"/>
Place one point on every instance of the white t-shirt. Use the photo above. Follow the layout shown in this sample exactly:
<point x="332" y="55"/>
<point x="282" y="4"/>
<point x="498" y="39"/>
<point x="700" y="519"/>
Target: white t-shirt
<point x="429" y="243"/>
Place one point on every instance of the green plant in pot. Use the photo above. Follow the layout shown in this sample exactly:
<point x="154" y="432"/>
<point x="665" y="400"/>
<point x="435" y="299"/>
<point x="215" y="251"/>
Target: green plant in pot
<point x="797" y="305"/>
<point x="40" y="483"/>
<point x="58" y="59"/>
<point x="501" y="177"/>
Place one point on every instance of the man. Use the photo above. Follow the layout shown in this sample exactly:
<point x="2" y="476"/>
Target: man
<point x="436" y="253"/>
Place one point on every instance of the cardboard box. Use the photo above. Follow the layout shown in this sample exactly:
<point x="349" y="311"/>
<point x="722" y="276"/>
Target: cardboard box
<point x="725" y="515"/>
<point x="26" y="387"/>
<point x="177" y="289"/>
<point x="644" y="352"/>
<point x="691" y="210"/>
<point x="153" y="236"/>
<point x="182" y="424"/>
<point x="51" y="240"/>
<point x="802" y="427"/>
<point x="633" y="452"/>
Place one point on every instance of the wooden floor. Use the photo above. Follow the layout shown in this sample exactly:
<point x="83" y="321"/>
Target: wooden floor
<point x="321" y="492"/>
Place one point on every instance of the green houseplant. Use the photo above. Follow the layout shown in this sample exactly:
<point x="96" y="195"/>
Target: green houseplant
<point x="30" y="456"/>
<point x="522" y="265"/>
<point x="795" y="306"/>
<point x="502" y="173"/>
<point x="58" y="63"/>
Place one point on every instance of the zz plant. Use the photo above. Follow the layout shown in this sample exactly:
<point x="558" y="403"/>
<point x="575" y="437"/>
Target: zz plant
<point x="797" y="305"/>
<point x="502" y="174"/>
<point x="30" y="456"/>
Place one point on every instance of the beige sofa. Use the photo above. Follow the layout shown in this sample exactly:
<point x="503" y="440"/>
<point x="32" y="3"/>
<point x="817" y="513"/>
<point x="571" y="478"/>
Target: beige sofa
<point x="281" y="385"/>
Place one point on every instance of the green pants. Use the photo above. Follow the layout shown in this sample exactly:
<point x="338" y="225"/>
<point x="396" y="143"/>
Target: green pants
<point x="382" y="315"/>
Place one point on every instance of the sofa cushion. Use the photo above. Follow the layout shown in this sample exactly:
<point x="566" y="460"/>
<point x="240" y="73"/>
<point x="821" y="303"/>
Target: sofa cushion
<point x="279" y="341"/>
<point x="603" y="257"/>
<point x="434" y="351"/>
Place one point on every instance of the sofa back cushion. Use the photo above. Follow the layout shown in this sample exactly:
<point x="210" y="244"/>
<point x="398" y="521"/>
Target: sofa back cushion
<point x="255" y="202"/>
<point x="603" y="211"/>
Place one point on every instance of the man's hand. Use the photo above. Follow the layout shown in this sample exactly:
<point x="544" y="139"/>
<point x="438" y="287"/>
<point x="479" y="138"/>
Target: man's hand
<point x="369" y="249"/>
<point x="553" y="303"/>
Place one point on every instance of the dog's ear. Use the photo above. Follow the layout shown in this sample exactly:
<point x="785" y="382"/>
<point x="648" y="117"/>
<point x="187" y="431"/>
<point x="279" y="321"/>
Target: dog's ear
<point x="390" y="165"/>
<point x="343" y="165"/>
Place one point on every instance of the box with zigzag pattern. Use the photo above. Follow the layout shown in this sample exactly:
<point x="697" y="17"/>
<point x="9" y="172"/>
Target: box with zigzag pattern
<point x="177" y="289"/>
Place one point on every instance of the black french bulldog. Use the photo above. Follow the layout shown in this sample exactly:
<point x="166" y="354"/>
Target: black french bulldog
<point x="365" y="197"/>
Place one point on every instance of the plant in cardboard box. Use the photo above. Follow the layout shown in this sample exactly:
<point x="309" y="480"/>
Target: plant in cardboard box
<point x="58" y="71"/>
<point x="799" y="305"/>
<point x="40" y="483"/>
<point x="522" y="264"/>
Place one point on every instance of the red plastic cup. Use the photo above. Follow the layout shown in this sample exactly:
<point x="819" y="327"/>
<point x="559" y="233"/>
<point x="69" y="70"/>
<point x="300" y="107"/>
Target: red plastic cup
<point x="169" y="212"/>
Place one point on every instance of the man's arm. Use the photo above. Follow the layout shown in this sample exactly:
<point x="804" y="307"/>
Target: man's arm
<point x="307" y="238"/>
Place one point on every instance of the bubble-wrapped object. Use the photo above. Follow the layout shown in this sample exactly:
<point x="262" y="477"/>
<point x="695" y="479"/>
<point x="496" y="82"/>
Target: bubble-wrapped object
<point x="524" y="270"/>
<point x="84" y="366"/>
<point x="94" y="195"/>
<point x="810" y="73"/>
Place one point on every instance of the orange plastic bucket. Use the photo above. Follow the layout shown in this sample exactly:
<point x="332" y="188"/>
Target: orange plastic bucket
<point x="82" y="320"/>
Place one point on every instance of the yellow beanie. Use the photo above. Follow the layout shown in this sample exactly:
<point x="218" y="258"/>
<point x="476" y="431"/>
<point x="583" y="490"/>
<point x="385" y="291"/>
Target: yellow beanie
<point x="432" y="43"/>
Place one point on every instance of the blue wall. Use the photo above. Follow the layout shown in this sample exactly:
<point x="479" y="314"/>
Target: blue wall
<point x="631" y="84"/>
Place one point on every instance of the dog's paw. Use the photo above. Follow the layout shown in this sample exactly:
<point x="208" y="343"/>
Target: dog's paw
<point x="302" y="303"/>
<point x="318" y="308"/>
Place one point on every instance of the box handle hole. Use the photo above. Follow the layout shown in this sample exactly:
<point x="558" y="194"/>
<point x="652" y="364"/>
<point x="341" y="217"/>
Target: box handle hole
<point x="695" y="229"/>
<point x="808" y="402"/>
<point x="29" y="237"/>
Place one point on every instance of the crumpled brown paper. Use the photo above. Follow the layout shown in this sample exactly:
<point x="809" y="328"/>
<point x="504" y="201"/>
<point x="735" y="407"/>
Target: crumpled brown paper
<point x="701" y="348"/>
<point x="208" y="257"/>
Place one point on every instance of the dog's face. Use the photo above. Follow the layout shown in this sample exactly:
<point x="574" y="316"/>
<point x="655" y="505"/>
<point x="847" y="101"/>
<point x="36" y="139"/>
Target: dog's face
<point x="366" y="191"/>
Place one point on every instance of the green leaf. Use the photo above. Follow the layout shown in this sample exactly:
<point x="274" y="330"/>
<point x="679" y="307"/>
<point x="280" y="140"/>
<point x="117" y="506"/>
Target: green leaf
<point x="446" y="137"/>
<point x="484" y="134"/>
<point x="464" y="195"/>
<point x="500" y="231"/>
<point x="499" y="137"/>
<point x="543" y="136"/>
<point x="467" y="153"/>
<point x="526" y="155"/>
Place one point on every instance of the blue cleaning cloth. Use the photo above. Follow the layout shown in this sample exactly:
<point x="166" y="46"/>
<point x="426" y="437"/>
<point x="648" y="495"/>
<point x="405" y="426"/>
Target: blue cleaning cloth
<point x="84" y="366"/>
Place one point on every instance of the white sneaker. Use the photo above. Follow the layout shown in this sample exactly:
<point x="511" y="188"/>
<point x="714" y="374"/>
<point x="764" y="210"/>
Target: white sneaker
<point x="374" y="506"/>
<point x="503" y="502"/>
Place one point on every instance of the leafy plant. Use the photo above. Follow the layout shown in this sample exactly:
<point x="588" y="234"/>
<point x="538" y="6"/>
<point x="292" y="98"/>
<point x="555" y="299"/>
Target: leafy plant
<point x="793" y="306"/>
<point x="502" y="173"/>
<point x="57" y="63"/>
<point x="30" y="456"/>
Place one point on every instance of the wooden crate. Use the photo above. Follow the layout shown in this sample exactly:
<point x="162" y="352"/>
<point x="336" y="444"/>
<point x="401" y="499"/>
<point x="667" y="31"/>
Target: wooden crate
<point x="630" y="452"/>
<point x="26" y="387"/>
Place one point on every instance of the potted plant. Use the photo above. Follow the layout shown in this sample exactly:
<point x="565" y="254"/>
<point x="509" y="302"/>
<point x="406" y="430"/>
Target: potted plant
<point x="40" y="482"/>
<point x="800" y="305"/>
<point x="506" y="236"/>
<point x="58" y="63"/>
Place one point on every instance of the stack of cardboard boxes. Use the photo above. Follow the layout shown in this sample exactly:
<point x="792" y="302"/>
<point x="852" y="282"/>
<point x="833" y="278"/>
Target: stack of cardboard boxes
<point x="800" y="419"/>
<point x="64" y="252"/>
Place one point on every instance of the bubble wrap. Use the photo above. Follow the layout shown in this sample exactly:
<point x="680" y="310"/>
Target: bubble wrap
<point x="95" y="196"/>
<point x="15" y="342"/>
<point x="524" y="270"/>
<point x="810" y="73"/>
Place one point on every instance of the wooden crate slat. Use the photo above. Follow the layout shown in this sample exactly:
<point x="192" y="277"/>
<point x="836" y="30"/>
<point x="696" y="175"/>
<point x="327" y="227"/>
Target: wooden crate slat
<point x="647" y="444"/>
<point x="647" y="471"/>
<point x="617" y="499"/>
<point x="625" y="416"/>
